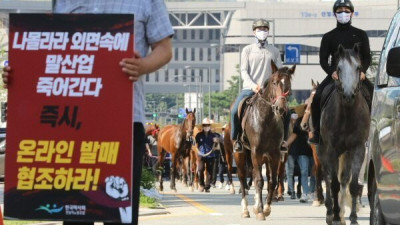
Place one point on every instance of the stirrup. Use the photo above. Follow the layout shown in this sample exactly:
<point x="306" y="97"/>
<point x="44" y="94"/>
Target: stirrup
<point x="237" y="147"/>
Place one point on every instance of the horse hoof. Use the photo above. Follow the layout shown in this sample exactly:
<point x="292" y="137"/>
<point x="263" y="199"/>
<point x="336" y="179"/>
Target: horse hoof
<point x="245" y="214"/>
<point x="337" y="223"/>
<point x="260" y="216"/>
<point x="191" y="189"/>
<point x="267" y="212"/>
<point x="316" y="204"/>
<point x="174" y="189"/>
<point x="281" y="199"/>
<point x="274" y="200"/>
<point x="232" y="192"/>
<point x="354" y="223"/>
<point x="329" y="219"/>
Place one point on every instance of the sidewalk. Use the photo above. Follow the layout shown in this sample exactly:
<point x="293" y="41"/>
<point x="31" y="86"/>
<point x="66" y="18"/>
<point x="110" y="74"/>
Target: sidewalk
<point x="142" y="211"/>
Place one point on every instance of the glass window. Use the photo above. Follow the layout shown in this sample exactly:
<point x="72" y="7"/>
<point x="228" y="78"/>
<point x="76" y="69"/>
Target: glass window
<point x="184" y="75"/>
<point x="166" y="77"/>
<point x="193" y="34"/>
<point x="209" y="54"/>
<point x="176" y="75"/>
<point x="184" y="54"/>
<point x="157" y="76"/>
<point x="210" y="34"/>
<point x="201" y="58"/>
<point x="201" y="75"/>
<point x="390" y="41"/>
<point x="193" y="53"/>
<point x="147" y="78"/>
<point x="217" y="54"/>
<point x="201" y="34"/>
<point x="184" y="34"/>
<point x="176" y="54"/>
<point x="192" y="77"/>
<point x="217" y="34"/>
<point x="217" y="76"/>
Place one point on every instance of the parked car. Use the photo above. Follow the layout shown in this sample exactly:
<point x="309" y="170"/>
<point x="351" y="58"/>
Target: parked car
<point x="384" y="138"/>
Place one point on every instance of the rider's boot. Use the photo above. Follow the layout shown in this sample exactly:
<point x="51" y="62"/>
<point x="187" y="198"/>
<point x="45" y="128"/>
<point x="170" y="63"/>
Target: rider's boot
<point x="237" y="146"/>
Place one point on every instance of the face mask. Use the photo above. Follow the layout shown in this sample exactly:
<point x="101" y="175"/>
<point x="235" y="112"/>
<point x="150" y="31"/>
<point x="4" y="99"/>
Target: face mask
<point x="343" y="17"/>
<point x="261" y="35"/>
<point x="206" y="129"/>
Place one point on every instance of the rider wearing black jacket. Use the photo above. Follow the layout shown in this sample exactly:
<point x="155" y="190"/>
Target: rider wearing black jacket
<point x="346" y="35"/>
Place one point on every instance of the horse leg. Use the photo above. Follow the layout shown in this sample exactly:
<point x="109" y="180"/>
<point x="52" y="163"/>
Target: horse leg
<point x="357" y="160"/>
<point x="229" y="163"/>
<point x="344" y="178"/>
<point x="319" y="189"/>
<point x="173" y="172"/>
<point x="272" y="177"/>
<point x="241" y="171"/>
<point x="189" y="173"/>
<point x="281" y="177"/>
<point x="335" y="187"/>
<point x="259" y="184"/>
<point x="328" y="201"/>
<point x="318" y="177"/>
<point x="159" y="166"/>
<point x="249" y="170"/>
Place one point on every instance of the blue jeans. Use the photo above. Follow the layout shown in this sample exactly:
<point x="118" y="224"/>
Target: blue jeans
<point x="304" y="164"/>
<point x="236" y="127"/>
<point x="290" y="171"/>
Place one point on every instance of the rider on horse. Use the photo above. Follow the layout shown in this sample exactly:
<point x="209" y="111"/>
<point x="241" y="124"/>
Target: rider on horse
<point x="346" y="35"/>
<point x="255" y="70"/>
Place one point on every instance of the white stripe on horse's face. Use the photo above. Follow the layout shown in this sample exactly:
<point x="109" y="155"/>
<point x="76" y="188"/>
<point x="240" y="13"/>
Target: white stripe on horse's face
<point x="348" y="75"/>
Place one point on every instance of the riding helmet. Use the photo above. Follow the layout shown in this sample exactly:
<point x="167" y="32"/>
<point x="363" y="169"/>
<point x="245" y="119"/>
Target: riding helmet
<point x="260" y="23"/>
<point x="343" y="3"/>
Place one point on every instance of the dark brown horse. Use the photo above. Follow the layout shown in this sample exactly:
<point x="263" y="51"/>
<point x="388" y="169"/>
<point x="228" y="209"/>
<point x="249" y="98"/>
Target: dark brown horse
<point x="177" y="140"/>
<point x="345" y="122"/>
<point x="229" y="156"/>
<point x="306" y="124"/>
<point x="263" y="136"/>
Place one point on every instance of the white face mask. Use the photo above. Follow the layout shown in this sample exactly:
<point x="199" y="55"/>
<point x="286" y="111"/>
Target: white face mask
<point x="261" y="35"/>
<point x="206" y="129"/>
<point x="343" y="17"/>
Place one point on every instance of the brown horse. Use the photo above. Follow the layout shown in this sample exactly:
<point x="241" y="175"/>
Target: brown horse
<point x="229" y="156"/>
<point x="306" y="124"/>
<point x="177" y="140"/>
<point x="263" y="132"/>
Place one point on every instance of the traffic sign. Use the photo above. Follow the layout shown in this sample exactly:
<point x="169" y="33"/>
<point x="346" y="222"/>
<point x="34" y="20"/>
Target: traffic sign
<point x="182" y="113"/>
<point x="292" y="53"/>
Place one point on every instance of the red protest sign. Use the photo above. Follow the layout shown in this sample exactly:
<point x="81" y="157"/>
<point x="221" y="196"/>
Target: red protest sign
<point x="69" y="128"/>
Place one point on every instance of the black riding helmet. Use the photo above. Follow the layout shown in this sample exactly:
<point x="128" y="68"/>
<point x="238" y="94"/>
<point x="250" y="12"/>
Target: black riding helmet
<point x="343" y="3"/>
<point x="260" y="23"/>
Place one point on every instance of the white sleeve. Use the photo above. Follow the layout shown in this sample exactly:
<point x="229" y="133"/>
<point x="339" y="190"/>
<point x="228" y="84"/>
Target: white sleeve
<point x="244" y="68"/>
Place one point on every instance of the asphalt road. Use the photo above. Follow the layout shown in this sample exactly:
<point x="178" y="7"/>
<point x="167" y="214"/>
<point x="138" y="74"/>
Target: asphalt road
<point x="221" y="208"/>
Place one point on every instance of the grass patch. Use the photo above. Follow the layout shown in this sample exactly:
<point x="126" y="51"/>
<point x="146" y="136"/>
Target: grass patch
<point x="148" y="181"/>
<point x="147" y="202"/>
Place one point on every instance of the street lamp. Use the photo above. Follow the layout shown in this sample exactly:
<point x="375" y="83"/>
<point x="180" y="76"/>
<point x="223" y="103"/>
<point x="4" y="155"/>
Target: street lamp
<point x="209" y="85"/>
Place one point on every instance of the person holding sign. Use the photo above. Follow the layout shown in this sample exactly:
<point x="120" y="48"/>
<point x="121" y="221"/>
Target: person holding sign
<point x="153" y="31"/>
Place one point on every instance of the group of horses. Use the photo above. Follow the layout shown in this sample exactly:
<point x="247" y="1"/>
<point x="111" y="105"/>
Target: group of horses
<point x="338" y="158"/>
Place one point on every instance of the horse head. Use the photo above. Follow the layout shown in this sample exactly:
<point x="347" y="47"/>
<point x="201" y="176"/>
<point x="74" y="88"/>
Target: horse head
<point x="278" y="87"/>
<point x="189" y="123"/>
<point x="305" y="122"/>
<point x="348" y="69"/>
